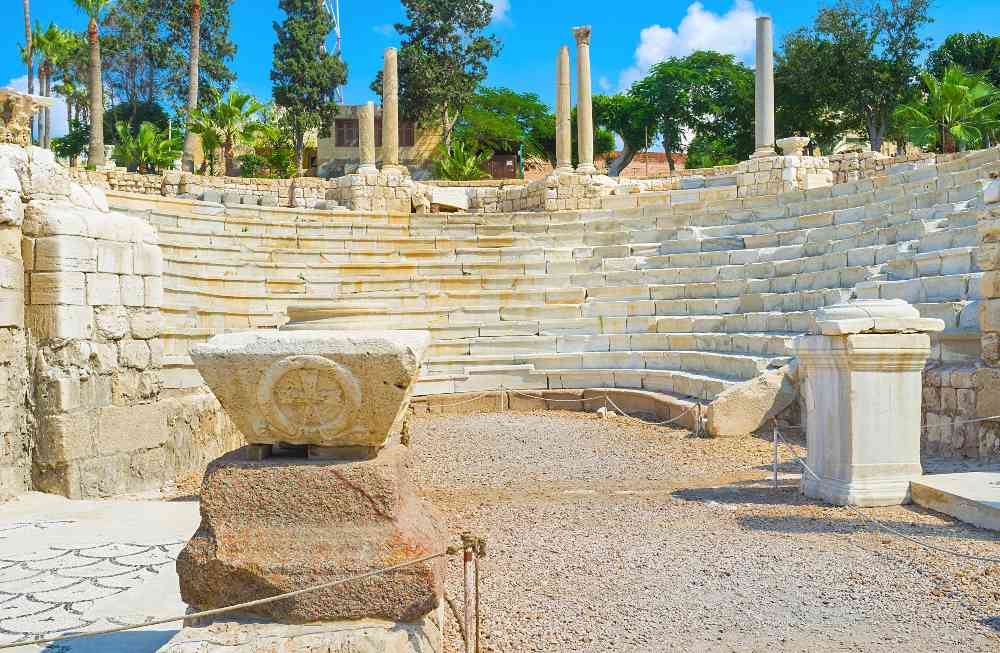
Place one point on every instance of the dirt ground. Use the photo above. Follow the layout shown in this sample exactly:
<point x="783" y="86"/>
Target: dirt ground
<point x="611" y="535"/>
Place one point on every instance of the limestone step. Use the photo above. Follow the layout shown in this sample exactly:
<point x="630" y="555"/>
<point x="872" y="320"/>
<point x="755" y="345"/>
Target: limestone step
<point x="972" y="497"/>
<point x="935" y="262"/>
<point x="923" y="289"/>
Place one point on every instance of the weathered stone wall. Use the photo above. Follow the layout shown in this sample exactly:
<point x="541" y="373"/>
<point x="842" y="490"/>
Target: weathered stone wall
<point x="986" y="379"/>
<point x="305" y="192"/>
<point x="91" y="418"/>
<point x="782" y="174"/>
<point x="372" y="192"/>
<point x="15" y="440"/>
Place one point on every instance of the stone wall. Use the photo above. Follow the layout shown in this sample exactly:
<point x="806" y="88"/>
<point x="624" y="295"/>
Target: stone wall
<point x="372" y="192"/>
<point x="772" y="175"/>
<point x="15" y="446"/>
<point x="307" y="192"/>
<point x="91" y="419"/>
<point x="986" y="379"/>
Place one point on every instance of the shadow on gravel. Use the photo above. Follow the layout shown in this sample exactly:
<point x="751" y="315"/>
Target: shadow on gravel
<point x="851" y="524"/>
<point x="992" y="622"/>
<point x="755" y="492"/>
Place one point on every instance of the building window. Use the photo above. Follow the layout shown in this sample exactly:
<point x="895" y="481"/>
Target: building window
<point x="407" y="134"/>
<point x="346" y="132"/>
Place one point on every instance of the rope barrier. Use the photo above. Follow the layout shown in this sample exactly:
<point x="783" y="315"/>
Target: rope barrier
<point x="451" y="550"/>
<point x="992" y="418"/>
<point x="607" y="400"/>
<point x="882" y="525"/>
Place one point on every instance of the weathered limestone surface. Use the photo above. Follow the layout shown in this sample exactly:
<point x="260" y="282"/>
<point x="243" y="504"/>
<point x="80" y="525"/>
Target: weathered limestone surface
<point x="357" y="636"/>
<point x="390" y="112"/>
<point x="764" y="89"/>
<point x="746" y="407"/>
<point x="564" y="140"/>
<point x="861" y="384"/>
<point x="325" y="388"/>
<point x="772" y="175"/>
<point x="584" y="102"/>
<point x="284" y="523"/>
<point x="366" y="128"/>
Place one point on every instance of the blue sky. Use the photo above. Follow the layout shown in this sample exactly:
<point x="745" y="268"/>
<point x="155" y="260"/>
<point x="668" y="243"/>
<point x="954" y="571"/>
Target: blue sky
<point x="627" y="36"/>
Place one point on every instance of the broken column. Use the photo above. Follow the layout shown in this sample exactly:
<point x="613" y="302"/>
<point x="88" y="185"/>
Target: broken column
<point x="321" y="493"/>
<point x="764" y="89"/>
<point x="584" y="102"/>
<point x="564" y="123"/>
<point x="390" y="112"/>
<point x="860" y="374"/>
<point x="366" y="139"/>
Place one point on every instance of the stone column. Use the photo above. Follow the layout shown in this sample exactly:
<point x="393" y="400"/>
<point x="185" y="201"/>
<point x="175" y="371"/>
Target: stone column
<point x="390" y="112"/>
<point x="564" y="123"/>
<point x="764" y="90"/>
<point x="584" y="105"/>
<point x="861" y="381"/>
<point x="366" y="139"/>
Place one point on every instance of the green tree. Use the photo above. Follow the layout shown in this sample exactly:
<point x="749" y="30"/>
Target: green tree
<point x="232" y="121"/>
<point x="28" y="56"/>
<point x="442" y="58"/>
<point x="870" y="57"/>
<point x="148" y="151"/>
<point x="958" y="109"/>
<point x="95" y="10"/>
<point x="975" y="52"/>
<point x="502" y="120"/>
<point x="634" y="122"/>
<point x="805" y="107"/>
<point x="303" y="73"/>
<point x="74" y="143"/>
<point x="134" y="114"/>
<point x="273" y="154"/>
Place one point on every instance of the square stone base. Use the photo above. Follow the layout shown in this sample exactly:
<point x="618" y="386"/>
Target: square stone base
<point x="235" y="635"/>
<point x="882" y="492"/>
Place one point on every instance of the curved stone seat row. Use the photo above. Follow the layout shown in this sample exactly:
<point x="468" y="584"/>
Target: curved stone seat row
<point x="684" y="299"/>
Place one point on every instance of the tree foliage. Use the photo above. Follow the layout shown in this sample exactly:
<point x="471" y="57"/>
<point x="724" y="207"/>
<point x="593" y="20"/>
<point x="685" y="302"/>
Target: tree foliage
<point x="706" y="93"/>
<point x="631" y="119"/>
<point x="864" y="52"/>
<point x="147" y="45"/>
<point x="975" y="53"/>
<point x="460" y="163"/>
<point x="149" y="150"/>
<point x="303" y="73"/>
<point x="502" y="120"/>
<point x="959" y="109"/>
<point x="230" y="122"/>
<point x="442" y="58"/>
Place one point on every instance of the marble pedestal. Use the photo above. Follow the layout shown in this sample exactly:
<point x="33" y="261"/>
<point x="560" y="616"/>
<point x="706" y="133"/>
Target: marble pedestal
<point x="861" y="380"/>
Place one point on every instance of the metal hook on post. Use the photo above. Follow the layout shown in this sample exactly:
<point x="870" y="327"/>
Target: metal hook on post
<point x="473" y="548"/>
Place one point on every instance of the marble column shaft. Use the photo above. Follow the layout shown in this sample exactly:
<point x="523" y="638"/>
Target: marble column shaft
<point x="584" y="102"/>
<point x="366" y="138"/>
<point x="764" y="89"/>
<point x="390" y="110"/>
<point x="564" y="125"/>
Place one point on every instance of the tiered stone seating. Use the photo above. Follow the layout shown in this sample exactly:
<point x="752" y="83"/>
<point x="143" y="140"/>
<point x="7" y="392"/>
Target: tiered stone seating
<point x="684" y="297"/>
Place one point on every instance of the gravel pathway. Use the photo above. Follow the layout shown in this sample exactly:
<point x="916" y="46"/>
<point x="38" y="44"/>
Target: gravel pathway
<point x="610" y="536"/>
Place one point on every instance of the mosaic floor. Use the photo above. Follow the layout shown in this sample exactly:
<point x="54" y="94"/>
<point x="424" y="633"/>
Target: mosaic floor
<point x="79" y="566"/>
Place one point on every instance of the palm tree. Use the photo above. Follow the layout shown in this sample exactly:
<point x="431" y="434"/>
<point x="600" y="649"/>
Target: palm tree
<point x="959" y="108"/>
<point x="49" y="45"/>
<point x="190" y="141"/>
<point x="94" y="9"/>
<point x="233" y="121"/>
<point x="27" y="56"/>
<point x="148" y="151"/>
<point x="67" y="53"/>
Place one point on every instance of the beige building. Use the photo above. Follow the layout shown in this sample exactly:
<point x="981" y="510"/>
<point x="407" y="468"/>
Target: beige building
<point x="339" y="153"/>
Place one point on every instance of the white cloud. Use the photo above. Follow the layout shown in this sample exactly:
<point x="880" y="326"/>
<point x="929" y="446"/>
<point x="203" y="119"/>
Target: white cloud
<point x="385" y="29"/>
<point x="60" y="123"/>
<point x="731" y="33"/>
<point x="501" y="10"/>
<point x="604" y="83"/>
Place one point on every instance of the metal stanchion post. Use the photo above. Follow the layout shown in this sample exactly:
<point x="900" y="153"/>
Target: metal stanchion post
<point x="774" y="437"/>
<point x="469" y="576"/>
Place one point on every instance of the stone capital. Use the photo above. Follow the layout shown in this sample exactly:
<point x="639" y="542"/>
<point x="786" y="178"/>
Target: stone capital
<point x="582" y="34"/>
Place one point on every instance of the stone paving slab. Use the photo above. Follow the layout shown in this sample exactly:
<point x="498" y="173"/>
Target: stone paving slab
<point x="973" y="497"/>
<point x="90" y="565"/>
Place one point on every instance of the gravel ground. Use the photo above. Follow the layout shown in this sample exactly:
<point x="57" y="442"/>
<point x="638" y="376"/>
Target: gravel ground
<point x="612" y="536"/>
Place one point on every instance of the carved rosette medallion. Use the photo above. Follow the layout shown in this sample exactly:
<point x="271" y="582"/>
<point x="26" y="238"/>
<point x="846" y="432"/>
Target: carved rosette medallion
<point x="308" y="398"/>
